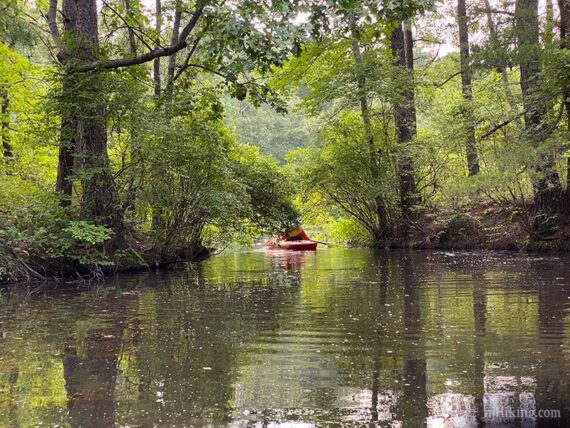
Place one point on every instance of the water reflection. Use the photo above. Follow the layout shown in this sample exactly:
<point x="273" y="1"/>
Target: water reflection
<point x="337" y="337"/>
<point x="90" y="368"/>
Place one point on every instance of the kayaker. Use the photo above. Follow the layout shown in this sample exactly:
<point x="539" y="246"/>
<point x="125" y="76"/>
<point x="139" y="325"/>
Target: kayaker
<point x="297" y="234"/>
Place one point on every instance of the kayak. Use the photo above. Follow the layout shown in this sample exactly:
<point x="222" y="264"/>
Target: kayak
<point x="296" y="240"/>
<point x="302" y="245"/>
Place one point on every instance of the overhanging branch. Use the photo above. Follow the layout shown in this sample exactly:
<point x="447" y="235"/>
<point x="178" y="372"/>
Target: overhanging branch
<point x="149" y="56"/>
<point x="500" y="126"/>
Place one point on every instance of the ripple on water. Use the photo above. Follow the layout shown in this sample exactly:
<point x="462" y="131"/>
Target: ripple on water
<point x="341" y="336"/>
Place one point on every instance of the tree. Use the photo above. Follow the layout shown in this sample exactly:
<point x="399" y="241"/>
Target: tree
<point x="546" y="184"/>
<point x="337" y="173"/>
<point x="83" y="147"/>
<point x="5" y="124"/>
<point x="382" y="229"/>
<point x="84" y="132"/>
<point x="564" y="6"/>
<point x="466" y="90"/>
<point x="156" y="62"/>
<point x="501" y="59"/>
<point x="13" y="30"/>
<point x="401" y="43"/>
<point x="361" y="83"/>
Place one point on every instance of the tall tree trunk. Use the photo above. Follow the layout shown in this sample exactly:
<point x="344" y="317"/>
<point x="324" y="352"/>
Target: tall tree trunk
<point x="547" y="188"/>
<point x="66" y="157"/>
<point x="564" y="6"/>
<point x="172" y="58"/>
<point x="156" y="64"/>
<point x="175" y="34"/>
<point x="548" y="35"/>
<point x="130" y="31"/>
<point x="381" y="214"/>
<point x="135" y="151"/>
<point x="466" y="90"/>
<point x="5" y="124"/>
<point x="502" y="66"/>
<point x="405" y="121"/>
<point x="158" y="223"/>
<point x="100" y="201"/>
<point x="69" y="121"/>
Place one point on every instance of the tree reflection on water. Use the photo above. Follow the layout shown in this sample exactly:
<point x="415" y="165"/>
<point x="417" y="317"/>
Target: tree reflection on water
<point x="346" y="337"/>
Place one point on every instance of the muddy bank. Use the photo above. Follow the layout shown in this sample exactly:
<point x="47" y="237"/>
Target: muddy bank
<point x="482" y="228"/>
<point x="16" y="268"/>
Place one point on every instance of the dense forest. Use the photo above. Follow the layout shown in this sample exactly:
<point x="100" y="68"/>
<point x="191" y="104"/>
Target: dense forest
<point x="138" y="133"/>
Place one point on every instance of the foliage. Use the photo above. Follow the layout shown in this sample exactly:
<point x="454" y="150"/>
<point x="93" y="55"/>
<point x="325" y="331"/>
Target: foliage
<point x="13" y="27"/>
<point x="45" y="235"/>
<point x="338" y="169"/>
<point x="274" y="133"/>
<point x="197" y="181"/>
<point x="269" y="190"/>
<point x="270" y="112"/>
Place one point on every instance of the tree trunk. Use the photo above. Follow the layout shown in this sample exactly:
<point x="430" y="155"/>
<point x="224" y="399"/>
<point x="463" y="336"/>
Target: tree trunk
<point x="136" y="156"/>
<point x="548" y="35"/>
<point x="547" y="188"/>
<point x="172" y="58"/>
<point x="502" y="67"/>
<point x="66" y="159"/>
<point x="169" y="89"/>
<point x="466" y="90"/>
<point x="5" y="124"/>
<point x="86" y="125"/>
<point x="69" y="120"/>
<point x="381" y="214"/>
<point x="564" y="6"/>
<point x="156" y="64"/>
<point x="157" y="221"/>
<point x="405" y="121"/>
<point x="130" y="31"/>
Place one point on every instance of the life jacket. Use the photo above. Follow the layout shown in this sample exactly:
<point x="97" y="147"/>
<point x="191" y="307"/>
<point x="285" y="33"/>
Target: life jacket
<point x="297" y="234"/>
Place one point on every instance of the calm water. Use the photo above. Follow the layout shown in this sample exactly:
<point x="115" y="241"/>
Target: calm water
<point x="337" y="338"/>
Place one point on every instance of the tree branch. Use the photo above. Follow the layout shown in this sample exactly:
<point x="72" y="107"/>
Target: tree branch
<point x="149" y="56"/>
<point x="184" y="66"/>
<point x="500" y="126"/>
<point x="496" y="11"/>
<point x="448" y="79"/>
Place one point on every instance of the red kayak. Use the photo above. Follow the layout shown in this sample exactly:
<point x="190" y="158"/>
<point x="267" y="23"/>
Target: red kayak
<point x="297" y="240"/>
<point x="303" y="245"/>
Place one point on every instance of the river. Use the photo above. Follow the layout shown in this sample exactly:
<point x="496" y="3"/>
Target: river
<point x="340" y="337"/>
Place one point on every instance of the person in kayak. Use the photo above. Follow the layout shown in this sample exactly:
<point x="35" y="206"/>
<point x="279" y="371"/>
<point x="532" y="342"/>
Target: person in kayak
<point x="296" y="239"/>
<point x="297" y="234"/>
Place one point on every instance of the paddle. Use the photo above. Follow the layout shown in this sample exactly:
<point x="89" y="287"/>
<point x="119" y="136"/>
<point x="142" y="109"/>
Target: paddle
<point x="318" y="242"/>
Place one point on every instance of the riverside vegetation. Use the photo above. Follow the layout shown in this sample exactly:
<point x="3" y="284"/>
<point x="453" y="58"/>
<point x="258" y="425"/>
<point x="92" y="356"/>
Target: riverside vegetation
<point x="137" y="134"/>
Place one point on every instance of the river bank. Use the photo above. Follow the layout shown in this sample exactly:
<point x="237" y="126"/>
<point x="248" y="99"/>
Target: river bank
<point x="18" y="268"/>
<point x="480" y="228"/>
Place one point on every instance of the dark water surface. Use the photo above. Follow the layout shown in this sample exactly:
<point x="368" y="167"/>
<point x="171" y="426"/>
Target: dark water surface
<point x="343" y="337"/>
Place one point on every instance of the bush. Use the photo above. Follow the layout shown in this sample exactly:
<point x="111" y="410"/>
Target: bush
<point x="38" y="237"/>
